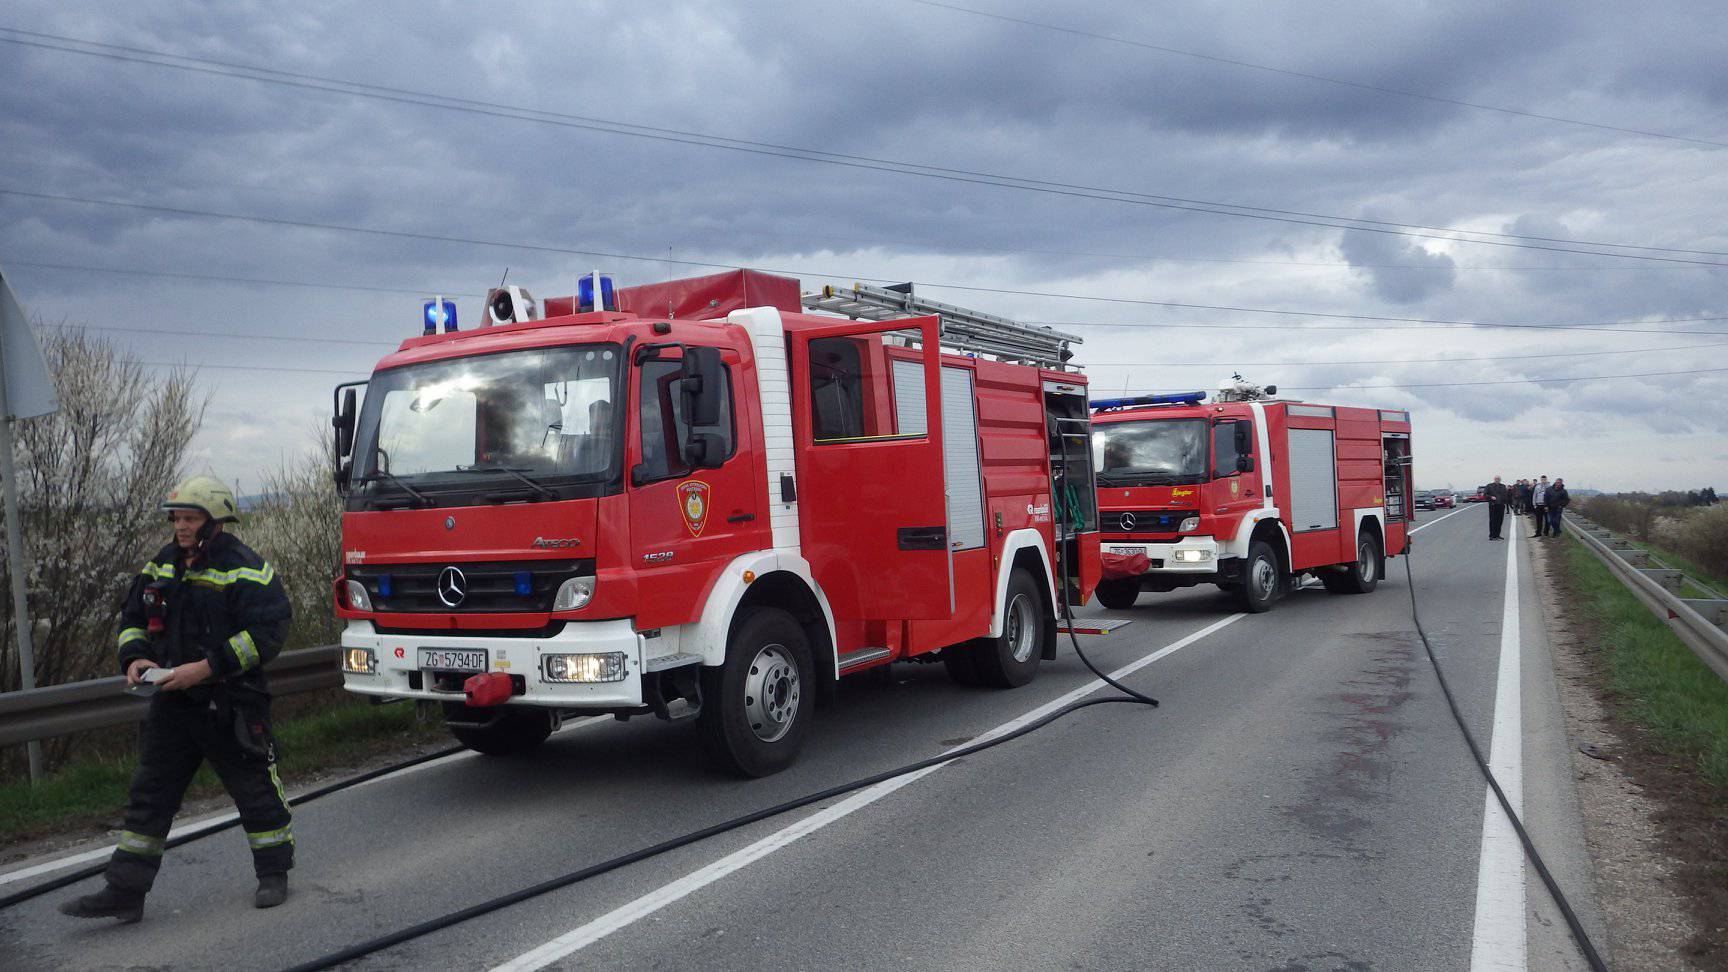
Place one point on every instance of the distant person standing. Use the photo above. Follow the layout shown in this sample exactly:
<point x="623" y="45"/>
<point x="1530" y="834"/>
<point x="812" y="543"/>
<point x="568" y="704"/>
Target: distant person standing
<point x="1539" y="505"/>
<point x="1520" y="496"/>
<point x="1495" y="493"/>
<point x="1558" y="500"/>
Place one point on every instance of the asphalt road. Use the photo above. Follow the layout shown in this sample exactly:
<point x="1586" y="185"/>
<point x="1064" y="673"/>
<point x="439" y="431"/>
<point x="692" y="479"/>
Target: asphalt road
<point x="1301" y="801"/>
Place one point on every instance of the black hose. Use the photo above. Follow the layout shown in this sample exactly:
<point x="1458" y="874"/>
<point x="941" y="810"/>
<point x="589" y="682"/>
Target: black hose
<point x="92" y="870"/>
<point x="1560" y="900"/>
<point x="442" y="922"/>
<point x="594" y="870"/>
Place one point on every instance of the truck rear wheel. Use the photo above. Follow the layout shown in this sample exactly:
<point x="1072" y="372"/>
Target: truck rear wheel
<point x="1260" y="581"/>
<point x="1362" y="576"/>
<point x="515" y="731"/>
<point x="1011" y="660"/>
<point x="958" y="660"/>
<point x="756" y="708"/>
<point x="1119" y="594"/>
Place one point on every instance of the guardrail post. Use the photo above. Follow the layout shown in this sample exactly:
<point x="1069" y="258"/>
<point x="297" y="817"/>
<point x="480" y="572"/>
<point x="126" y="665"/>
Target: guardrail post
<point x="1669" y="578"/>
<point x="1714" y="610"/>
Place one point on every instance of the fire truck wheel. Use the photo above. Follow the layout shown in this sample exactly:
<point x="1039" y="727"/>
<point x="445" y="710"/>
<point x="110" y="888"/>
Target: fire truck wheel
<point x="756" y="707"/>
<point x="1362" y="576"/>
<point x="1119" y="594"/>
<point x="1011" y="660"/>
<point x="958" y="660"/>
<point x="514" y="732"/>
<point x="1259" y="578"/>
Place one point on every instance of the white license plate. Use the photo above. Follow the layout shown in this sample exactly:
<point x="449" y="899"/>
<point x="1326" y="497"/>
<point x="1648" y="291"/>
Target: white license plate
<point x="1129" y="551"/>
<point x="453" y="659"/>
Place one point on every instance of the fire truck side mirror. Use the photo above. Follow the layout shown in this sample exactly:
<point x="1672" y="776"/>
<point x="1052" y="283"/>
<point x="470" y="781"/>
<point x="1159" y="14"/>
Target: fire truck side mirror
<point x="1244" y="440"/>
<point x="343" y="423"/>
<point x="702" y="374"/>
<point x="705" y="450"/>
<point x="1244" y="463"/>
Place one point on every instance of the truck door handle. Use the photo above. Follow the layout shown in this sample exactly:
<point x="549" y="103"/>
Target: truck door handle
<point x="741" y="518"/>
<point x="923" y="538"/>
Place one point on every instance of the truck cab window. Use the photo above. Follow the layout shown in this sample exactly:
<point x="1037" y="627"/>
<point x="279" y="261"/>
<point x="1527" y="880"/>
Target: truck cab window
<point x="1224" y="451"/>
<point x="836" y="389"/>
<point x="663" y="423"/>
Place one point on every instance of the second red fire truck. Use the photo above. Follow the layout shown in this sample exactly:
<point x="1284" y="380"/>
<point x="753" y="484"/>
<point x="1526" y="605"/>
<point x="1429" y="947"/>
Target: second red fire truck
<point x="1248" y="492"/>
<point x="701" y="500"/>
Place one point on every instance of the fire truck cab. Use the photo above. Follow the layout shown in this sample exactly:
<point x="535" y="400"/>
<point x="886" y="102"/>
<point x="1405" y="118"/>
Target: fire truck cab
<point x="699" y="500"/>
<point x="1248" y="492"/>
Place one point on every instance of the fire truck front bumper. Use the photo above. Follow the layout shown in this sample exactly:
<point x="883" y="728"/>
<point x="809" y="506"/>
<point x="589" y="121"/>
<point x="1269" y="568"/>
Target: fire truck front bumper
<point x="1189" y="555"/>
<point x="588" y="665"/>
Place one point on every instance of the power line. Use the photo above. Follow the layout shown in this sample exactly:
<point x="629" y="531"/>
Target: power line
<point x="301" y="339"/>
<point x="1380" y="361"/>
<point x="1494" y="381"/>
<point x="606" y="126"/>
<point x="223" y="278"/>
<point x="546" y="248"/>
<point x="1364" y="86"/>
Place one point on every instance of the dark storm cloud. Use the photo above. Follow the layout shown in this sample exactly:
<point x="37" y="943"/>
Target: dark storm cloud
<point x="908" y="82"/>
<point x="1374" y="252"/>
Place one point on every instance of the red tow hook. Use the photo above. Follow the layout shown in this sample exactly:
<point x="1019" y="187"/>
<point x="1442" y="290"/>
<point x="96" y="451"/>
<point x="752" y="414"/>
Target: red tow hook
<point x="490" y="689"/>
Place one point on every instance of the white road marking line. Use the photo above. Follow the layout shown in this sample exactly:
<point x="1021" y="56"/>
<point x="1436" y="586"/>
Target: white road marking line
<point x="96" y="854"/>
<point x="653" y="901"/>
<point x="1499" y="942"/>
<point x="1438" y="519"/>
<point x="101" y="852"/>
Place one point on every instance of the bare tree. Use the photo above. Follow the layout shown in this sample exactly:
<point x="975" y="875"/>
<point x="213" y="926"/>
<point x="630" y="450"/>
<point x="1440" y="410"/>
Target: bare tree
<point x="297" y="526"/>
<point x="91" y="481"/>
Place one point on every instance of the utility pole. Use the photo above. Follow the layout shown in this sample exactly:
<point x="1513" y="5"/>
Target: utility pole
<point x="26" y="391"/>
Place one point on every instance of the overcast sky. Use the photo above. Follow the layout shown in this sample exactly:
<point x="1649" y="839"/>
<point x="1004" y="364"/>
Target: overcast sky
<point x="914" y="83"/>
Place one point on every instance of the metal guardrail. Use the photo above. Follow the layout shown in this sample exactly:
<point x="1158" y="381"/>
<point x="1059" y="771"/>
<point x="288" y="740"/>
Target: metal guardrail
<point x="1702" y="623"/>
<point x="102" y="702"/>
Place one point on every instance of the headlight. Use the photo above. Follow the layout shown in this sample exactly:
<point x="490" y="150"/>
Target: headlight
<point x="604" y="667"/>
<point x="1193" y="556"/>
<point x="1191" y="523"/>
<point x="572" y="594"/>
<point x="358" y="599"/>
<point x="360" y="661"/>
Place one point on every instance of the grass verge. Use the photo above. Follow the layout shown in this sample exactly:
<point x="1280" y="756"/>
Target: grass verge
<point x="1662" y="686"/>
<point x="94" y="791"/>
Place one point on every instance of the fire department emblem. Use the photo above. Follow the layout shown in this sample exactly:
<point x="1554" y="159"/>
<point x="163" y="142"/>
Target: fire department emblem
<point x="693" y="503"/>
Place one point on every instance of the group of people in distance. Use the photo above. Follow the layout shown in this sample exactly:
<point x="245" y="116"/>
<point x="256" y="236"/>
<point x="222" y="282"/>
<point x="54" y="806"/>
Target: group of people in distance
<point x="1543" y="501"/>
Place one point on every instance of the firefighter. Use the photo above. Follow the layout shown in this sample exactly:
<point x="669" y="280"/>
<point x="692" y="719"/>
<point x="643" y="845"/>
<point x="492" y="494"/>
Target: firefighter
<point x="213" y="613"/>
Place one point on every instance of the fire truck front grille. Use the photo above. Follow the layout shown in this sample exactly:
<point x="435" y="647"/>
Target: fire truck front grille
<point x="509" y="587"/>
<point x="1142" y="521"/>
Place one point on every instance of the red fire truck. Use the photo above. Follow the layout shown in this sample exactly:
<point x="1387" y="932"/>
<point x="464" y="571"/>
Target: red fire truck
<point x="706" y="499"/>
<point x="1248" y="492"/>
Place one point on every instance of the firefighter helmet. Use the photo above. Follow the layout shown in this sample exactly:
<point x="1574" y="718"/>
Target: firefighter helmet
<point x="207" y="494"/>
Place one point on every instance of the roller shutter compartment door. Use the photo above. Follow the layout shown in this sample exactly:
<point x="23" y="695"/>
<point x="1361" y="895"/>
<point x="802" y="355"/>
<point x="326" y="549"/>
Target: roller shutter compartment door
<point x="1313" y="480"/>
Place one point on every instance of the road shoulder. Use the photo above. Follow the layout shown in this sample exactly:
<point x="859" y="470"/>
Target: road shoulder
<point x="1647" y="915"/>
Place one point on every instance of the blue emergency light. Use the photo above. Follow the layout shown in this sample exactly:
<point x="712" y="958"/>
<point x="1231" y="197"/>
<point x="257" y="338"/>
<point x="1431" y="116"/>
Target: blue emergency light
<point x="585" y="294"/>
<point x="1182" y="398"/>
<point x="440" y="311"/>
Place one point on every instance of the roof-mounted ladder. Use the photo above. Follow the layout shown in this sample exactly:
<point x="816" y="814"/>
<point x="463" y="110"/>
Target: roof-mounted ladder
<point x="963" y="330"/>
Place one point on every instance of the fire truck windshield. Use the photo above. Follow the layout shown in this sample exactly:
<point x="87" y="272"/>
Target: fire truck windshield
<point x="542" y="419"/>
<point x="1156" y="452"/>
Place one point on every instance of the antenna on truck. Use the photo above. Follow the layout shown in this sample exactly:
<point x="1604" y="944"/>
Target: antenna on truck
<point x="962" y="329"/>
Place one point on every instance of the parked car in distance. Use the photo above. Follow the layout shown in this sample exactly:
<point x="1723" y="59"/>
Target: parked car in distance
<point x="1444" y="500"/>
<point x="1425" y="499"/>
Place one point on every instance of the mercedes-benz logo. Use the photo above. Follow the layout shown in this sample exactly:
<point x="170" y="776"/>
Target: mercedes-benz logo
<point x="452" y="587"/>
<point x="449" y="523"/>
<point x="1126" y="521"/>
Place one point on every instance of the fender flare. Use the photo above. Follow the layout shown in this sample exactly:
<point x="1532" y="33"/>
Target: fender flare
<point x="1378" y="516"/>
<point x="707" y="635"/>
<point x="1012" y="544"/>
<point x="1238" y="546"/>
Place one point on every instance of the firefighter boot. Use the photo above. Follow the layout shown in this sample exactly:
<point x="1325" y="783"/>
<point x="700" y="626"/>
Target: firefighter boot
<point x="272" y="891"/>
<point x="110" y="902"/>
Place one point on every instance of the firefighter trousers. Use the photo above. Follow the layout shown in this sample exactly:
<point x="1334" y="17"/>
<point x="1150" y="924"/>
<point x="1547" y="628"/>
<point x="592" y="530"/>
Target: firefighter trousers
<point x="174" y="740"/>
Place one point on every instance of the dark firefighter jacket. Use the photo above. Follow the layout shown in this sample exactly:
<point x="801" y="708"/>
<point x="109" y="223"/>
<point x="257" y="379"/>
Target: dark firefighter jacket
<point x="229" y="608"/>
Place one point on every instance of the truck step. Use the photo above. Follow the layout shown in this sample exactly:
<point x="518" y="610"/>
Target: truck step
<point x="669" y="661"/>
<point x="853" y="660"/>
<point x="1093" y="626"/>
